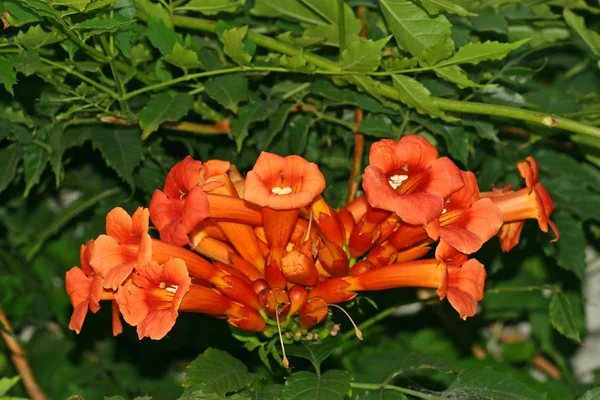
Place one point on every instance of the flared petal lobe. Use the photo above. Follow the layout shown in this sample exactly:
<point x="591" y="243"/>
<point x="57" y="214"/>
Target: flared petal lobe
<point x="408" y="179"/>
<point x="283" y="183"/>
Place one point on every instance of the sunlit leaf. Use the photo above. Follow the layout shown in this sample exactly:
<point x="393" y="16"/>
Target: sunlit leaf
<point x="183" y="58"/>
<point x="362" y="56"/>
<point x="234" y="46"/>
<point x="211" y="7"/>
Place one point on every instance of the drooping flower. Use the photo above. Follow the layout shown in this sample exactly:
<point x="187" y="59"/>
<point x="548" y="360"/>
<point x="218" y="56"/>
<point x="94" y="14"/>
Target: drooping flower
<point x="125" y="243"/>
<point x="182" y="204"/>
<point x="467" y="221"/>
<point x="84" y="287"/>
<point x="531" y="202"/>
<point x="152" y="301"/>
<point x="408" y="178"/>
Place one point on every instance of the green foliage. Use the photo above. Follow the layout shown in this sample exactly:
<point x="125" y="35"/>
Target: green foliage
<point x="99" y="98"/>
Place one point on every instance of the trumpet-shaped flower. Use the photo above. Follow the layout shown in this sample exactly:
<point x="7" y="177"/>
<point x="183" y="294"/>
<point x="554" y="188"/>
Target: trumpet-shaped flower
<point x="408" y="178"/>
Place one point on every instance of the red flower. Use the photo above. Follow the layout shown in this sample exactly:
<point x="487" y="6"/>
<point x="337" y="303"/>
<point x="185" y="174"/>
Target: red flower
<point x="467" y="221"/>
<point x="85" y="290"/>
<point x="152" y="301"/>
<point x="283" y="183"/>
<point x="408" y="178"/>
<point x="182" y="205"/>
<point x="126" y="242"/>
<point x="532" y="202"/>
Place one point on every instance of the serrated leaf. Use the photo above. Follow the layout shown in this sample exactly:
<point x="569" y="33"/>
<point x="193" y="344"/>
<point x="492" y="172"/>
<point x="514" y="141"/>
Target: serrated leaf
<point x="228" y="90"/>
<point x="161" y="36"/>
<point x="337" y="95"/>
<point x="26" y="62"/>
<point x="78" y="5"/>
<point x="329" y="10"/>
<point x="372" y="87"/>
<point x="16" y="116"/>
<point x="9" y="160"/>
<point x="249" y="114"/>
<point x="304" y="385"/>
<point x="577" y="23"/>
<point x="593" y="394"/>
<point x="474" y="53"/>
<point x="192" y="394"/>
<point x="216" y="371"/>
<point x="36" y="37"/>
<point x="183" y="58"/>
<point x="8" y="76"/>
<point x="164" y="107"/>
<point x="296" y="63"/>
<point x="155" y="10"/>
<point x="561" y="316"/>
<point x="458" y="142"/>
<point x="35" y="160"/>
<point x="436" y="6"/>
<point x="315" y="353"/>
<point x="276" y="121"/>
<point x="488" y="384"/>
<point x="120" y="148"/>
<point x="212" y="7"/>
<point x="377" y="126"/>
<point x="415" y="95"/>
<point x="416" y="32"/>
<point x="96" y="26"/>
<point x="362" y="56"/>
<point x="234" y="46"/>
<point x="485" y="130"/>
<point x="17" y="15"/>
<point x="458" y="76"/>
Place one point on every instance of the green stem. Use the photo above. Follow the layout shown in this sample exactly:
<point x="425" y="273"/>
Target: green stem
<point x="371" y="321"/>
<point x="549" y="120"/>
<point x="391" y="93"/>
<point x="342" y="26"/>
<point x="84" y="78"/>
<point x="375" y="386"/>
<point x="120" y="89"/>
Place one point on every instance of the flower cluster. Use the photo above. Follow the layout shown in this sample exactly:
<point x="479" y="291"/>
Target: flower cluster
<point x="269" y="248"/>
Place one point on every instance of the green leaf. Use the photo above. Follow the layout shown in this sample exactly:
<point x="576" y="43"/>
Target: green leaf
<point x="296" y="63"/>
<point x="372" y="87"/>
<point x="57" y="143"/>
<point x="436" y="6"/>
<point x="458" y="76"/>
<point x="377" y="126"/>
<point x="381" y="394"/>
<point x="155" y="10"/>
<point x="183" y="58"/>
<point x="577" y="23"/>
<point x="341" y="96"/>
<point x="316" y="353"/>
<point x="26" y="62"/>
<point x="8" y="76"/>
<point x="78" y="5"/>
<point x="458" y="142"/>
<point x="572" y="243"/>
<point x="328" y="10"/>
<point x="212" y="7"/>
<point x="416" y="32"/>
<point x="593" y="394"/>
<point x="249" y="114"/>
<point x="35" y="160"/>
<point x="485" y="130"/>
<point x="162" y="36"/>
<point x="228" y="90"/>
<point x="297" y="131"/>
<point x="269" y="392"/>
<point x="304" y="385"/>
<point x="121" y="149"/>
<point x="487" y="384"/>
<point x="216" y="371"/>
<point x="36" y="37"/>
<point x="474" y="53"/>
<point x="96" y="26"/>
<point x="490" y="20"/>
<point x="234" y="46"/>
<point x="415" y="95"/>
<point x="363" y="56"/>
<point x="291" y="9"/>
<point x="7" y="383"/>
<point x="164" y="107"/>
<point x="562" y="318"/>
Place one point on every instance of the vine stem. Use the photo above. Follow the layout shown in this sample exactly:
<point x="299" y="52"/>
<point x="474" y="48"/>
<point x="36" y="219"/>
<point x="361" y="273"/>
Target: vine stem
<point x="342" y="26"/>
<point x="20" y="359"/>
<point x="359" y="149"/>
<point x="84" y="78"/>
<point x="389" y="91"/>
<point x="376" y="386"/>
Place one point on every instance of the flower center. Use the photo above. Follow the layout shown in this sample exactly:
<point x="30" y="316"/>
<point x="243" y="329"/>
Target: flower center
<point x="281" y="190"/>
<point x="170" y="289"/>
<point x="396" y="180"/>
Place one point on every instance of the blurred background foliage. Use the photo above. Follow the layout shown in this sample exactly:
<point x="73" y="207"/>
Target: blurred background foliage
<point x="102" y="97"/>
